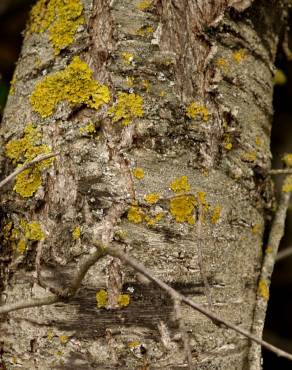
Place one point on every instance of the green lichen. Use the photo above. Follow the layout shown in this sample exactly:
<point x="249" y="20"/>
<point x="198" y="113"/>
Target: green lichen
<point x="74" y="84"/>
<point x="182" y="208"/>
<point x="123" y="300"/>
<point x="180" y="185"/>
<point x="194" y="110"/>
<point x="127" y="107"/>
<point x="101" y="298"/>
<point x="61" y="18"/>
<point x="23" y="150"/>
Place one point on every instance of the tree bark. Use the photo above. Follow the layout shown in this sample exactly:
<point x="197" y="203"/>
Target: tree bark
<point x="172" y="167"/>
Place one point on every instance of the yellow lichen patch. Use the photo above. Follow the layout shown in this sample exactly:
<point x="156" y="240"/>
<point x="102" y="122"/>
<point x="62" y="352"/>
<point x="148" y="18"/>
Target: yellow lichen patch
<point x="12" y="84"/>
<point x="60" y="18"/>
<point x="127" y="57"/>
<point x="76" y="233"/>
<point x="145" y="30"/>
<point x="50" y="334"/>
<point x="216" y="214"/>
<point x="144" y="4"/>
<point x="151" y="221"/>
<point x="263" y="290"/>
<point x="194" y="110"/>
<point x="123" y="300"/>
<point x="180" y="185"/>
<point x="134" y="343"/>
<point x="146" y="85"/>
<point x="287" y="159"/>
<point x="152" y="198"/>
<point x="287" y="186"/>
<point x="258" y="141"/>
<point x="130" y="81"/>
<point x="162" y="94"/>
<point x="279" y="78"/>
<point x="127" y="107"/>
<point x="74" y="84"/>
<point x="101" y="298"/>
<point x="88" y="129"/>
<point x="182" y="208"/>
<point x="21" y="246"/>
<point x="239" y="55"/>
<point x="256" y="229"/>
<point x="227" y="143"/>
<point x="269" y="250"/>
<point x="135" y="214"/>
<point x="202" y="200"/>
<point x="249" y="156"/>
<point x="28" y="182"/>
<point x="63" y="339"/>
<point x="222" y="64"/>
<point x="138" y="173"/>
<point x="34" y="232"/>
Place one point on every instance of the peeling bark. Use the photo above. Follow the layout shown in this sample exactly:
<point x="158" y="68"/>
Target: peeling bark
<point x="204" y="71"/>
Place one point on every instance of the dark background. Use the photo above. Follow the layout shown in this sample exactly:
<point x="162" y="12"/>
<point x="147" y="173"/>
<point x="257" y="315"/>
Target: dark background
<point x="278" y="328"/>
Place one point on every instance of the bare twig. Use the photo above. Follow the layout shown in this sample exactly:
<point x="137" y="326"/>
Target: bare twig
<point x="287" y="252"/>
<point x="173" y="293"/>
<point x="37" y="302"/>
<point x="281" y="171"/>
<point x="276" y="234"/>
<point x="18" y="170"/>
<point x="184" y="334"/>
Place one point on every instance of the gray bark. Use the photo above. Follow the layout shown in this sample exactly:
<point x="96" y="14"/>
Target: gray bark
<point x="219" y="56"/>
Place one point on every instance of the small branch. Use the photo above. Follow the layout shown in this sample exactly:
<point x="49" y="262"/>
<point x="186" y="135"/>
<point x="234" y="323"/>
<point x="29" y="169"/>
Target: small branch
<point x="184" y="334"/>
<point x="37" y="302"/>
<point x="276" y="234"/>
<point x="173" y="293"/>
<point x="18" y="170"/>
<point x="283" y="171"/>
<point x="287" y="252"/>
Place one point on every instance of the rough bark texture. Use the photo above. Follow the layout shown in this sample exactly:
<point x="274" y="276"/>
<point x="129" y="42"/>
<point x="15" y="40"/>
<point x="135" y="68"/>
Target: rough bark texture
<point x="204" y="72"/>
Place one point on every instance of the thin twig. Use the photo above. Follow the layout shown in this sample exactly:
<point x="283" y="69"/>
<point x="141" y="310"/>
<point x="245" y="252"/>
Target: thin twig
<point x="173" y="293"/>
<point x="282" y="171"/>
<point x="184" y="334"/>
<point x="276" y="234"/>
<point x="18" y="170"/>
<point x="36" y="302"/>
<point x="287" y="252"/>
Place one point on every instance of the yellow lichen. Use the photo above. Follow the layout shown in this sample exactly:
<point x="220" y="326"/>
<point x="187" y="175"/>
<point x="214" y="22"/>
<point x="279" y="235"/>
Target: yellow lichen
<point x="279" y="78"/>
<point x="202" y="200"/>
<point x="60" y="18"/>
<point x="258" y="141"/>
<point x="269" y="250"/>
<point x="34" y="231"/>
<point x="76" y="233"/>
<point x="88" y="129"/>
<point x="256" y="229"/>
<point x="194" y="110"/>
<point x="144" y="4"/>
<point x="12" y="84"/>
<point x="123" y="300"/>
<point x="287" y="159"/>
<point x="127" y="57"/>
<point x="146" y="85"/>
<point x="22" y="151"/>
<point x="216" y="214"/>
<point x="152" y="198"/>
<point x="63" y="339"/>
<point x="287" y="185"/>
<point x="263" y="290"/>
<point x="134" y="343"/>
<point x="138" y="173"/>
<point x="151" y="221"/>
<point x="130" y="81"/>
<point x="180" y="185"/>
<point x="101" y="298"/>
<point x="74" y="84"/>
<point x="223" y="64"/>
<point x="162" y="94"/>
<point x="127" y="107"/>
<point x="227" y="143"/>
<point x="145" y="30"/>
<point x="182" y="208"/>
<point x="249" y="156"/>
<point x="239" y="55"/>
<point x="21" y="246"/>
<point x="135" y="214"/>
<point x="50" y="334"/>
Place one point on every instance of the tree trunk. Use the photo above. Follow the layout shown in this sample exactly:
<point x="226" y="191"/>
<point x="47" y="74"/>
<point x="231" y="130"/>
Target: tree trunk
<point x="161" y="114"/>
